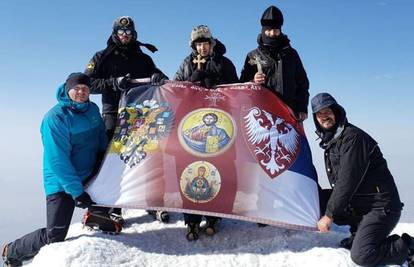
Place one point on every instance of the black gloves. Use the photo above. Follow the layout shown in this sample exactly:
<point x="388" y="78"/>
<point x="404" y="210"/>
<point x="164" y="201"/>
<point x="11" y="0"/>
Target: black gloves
<point x="122" y="83"/>
<point x="198" y="76"/>
<point x="209" y="82"/>
<point x="206" y="79"/>
<point x="84" y="201"/>
<point x="158" y="78"/>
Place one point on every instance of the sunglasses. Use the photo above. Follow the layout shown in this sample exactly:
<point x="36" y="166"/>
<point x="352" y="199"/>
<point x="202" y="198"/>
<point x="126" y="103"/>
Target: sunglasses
<point x="122" y="32"/>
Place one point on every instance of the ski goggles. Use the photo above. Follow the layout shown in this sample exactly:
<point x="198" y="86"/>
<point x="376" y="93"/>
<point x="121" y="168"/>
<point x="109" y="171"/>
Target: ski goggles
<point x="124" y="32"/>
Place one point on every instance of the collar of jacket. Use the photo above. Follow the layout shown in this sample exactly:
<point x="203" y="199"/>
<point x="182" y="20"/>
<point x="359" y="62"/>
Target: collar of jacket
<point x="271" y="50"/>
<point x="334" y="139"/>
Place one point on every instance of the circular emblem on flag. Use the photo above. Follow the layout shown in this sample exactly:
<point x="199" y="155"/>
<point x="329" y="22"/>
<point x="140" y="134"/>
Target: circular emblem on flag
<point x="207" y="132"/>
<point x="200" y="182"/>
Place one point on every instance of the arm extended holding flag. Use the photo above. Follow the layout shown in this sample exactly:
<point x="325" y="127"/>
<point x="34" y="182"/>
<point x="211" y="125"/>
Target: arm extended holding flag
<point x="124" y="83"/>
<point x="155" y="79"/>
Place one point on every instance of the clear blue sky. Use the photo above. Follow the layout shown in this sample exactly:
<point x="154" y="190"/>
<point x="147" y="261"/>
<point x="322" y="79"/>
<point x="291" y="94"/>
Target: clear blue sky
<point x="360" y="51"/>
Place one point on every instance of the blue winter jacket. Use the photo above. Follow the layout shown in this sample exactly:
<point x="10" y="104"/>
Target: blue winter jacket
<point x="73" y="134"/>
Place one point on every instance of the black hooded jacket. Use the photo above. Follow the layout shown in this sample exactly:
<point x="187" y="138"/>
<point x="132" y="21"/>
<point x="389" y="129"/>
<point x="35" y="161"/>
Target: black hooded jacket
<point x="356" y="169"/>
<point x="117" y="60"/>
<point x="217" y="67"/>
<point x="285" y="75"/>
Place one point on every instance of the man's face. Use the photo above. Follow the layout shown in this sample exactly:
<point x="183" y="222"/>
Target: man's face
<point x="272" y="33"/>
<point x="124" y="35"/>
<point x="203" y="48"/>
<point x="326" y="118"/>
<point x="79" y="93"/>
<point x="209" y="120"/>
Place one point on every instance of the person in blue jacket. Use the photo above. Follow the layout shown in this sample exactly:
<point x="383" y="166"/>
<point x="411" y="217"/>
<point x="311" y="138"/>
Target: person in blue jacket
<point x="74" y="141"/>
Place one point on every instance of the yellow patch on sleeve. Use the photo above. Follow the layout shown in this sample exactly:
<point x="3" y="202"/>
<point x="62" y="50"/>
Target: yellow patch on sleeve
<point x="91" y="65"/>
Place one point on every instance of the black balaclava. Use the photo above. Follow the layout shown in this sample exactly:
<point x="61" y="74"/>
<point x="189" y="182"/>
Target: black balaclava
<point x="272" y="18"/>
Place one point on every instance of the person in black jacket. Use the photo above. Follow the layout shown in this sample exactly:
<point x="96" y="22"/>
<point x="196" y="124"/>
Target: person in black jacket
<point x="112" y="70"/>
<point x="363" y="193"/>
<point x="213" y="67"/>
<point x="208" y="66"/>
<point x="277" y="66"/>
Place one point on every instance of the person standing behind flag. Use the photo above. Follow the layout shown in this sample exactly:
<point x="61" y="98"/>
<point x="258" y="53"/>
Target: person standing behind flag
<point x="277" y="66"/>
<point x="207" y="65"/>
<point x="74" y="142"/>
<point x="363" y="194"/>
<point x="111" y="71"/>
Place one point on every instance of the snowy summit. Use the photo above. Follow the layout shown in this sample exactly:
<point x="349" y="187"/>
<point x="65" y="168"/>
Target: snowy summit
<point x="144" y="242"/>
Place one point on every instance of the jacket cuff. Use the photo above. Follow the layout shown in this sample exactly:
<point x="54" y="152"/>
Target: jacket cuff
<point x="329" y="213"/>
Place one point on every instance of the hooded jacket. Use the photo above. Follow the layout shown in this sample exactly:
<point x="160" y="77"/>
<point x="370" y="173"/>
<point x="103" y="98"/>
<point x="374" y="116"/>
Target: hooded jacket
<point x="355" y="166"/>
<point x="117" y="60"/>
<point x="218" y="67"/>
<point x="285" y="74"/>
<point x="73" y="136"/>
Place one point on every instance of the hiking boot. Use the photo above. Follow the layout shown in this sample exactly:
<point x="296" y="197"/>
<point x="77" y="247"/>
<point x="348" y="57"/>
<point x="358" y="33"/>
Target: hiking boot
<point x="212" y="225"/>
<point x="159" y="215"/>
<point x="117" y="218"/>
<point x="98" y="221"/>
<point x="193" y="229"/>
<point x="7" y="261"/>
<point x="347" y="242"/>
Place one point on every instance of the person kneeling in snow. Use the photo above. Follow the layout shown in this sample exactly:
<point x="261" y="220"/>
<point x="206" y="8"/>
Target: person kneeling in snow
<point x="363" y="193"/>
<point x="74" y="142"/>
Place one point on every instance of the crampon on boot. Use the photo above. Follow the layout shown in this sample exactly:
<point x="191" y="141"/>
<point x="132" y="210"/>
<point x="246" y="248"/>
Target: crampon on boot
<point x="117" y="218"/>
<point x="100" y="221"/>
<point x="193" y="229"/>
<point x="7" y="261"/>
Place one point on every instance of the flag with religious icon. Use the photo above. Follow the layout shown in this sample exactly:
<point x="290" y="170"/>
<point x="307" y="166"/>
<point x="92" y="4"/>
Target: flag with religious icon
<point x="234" y="151"/>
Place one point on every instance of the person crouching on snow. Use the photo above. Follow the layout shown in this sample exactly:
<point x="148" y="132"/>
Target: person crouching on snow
<point x="74" y="142"/>
<point x="363" y="194"/>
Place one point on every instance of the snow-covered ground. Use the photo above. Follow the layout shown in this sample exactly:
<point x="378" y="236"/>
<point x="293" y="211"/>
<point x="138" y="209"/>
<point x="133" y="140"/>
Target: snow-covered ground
<point x="144" y="242"/>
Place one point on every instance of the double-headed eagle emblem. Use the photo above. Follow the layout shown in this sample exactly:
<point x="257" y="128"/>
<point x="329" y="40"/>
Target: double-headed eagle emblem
<point x="275" y="142"/>
<point x="151" y="123"/>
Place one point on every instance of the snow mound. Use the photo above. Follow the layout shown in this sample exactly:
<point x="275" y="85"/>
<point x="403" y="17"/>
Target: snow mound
<point x="144" y="242"/>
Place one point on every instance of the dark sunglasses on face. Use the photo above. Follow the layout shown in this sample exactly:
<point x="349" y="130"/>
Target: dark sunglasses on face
<point x="122" y="31"/>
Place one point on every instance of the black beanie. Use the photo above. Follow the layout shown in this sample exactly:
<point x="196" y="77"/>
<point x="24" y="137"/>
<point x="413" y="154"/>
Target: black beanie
<point x="75" y="79"/>
<point x="272" y="18"/>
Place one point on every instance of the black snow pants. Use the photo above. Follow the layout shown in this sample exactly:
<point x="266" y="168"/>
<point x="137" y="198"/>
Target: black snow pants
<point x="59" y="210"/>
<point x="372" y="245"/>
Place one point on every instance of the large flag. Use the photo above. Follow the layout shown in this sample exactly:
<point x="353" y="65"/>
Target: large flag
<point x="234" y="152"/>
